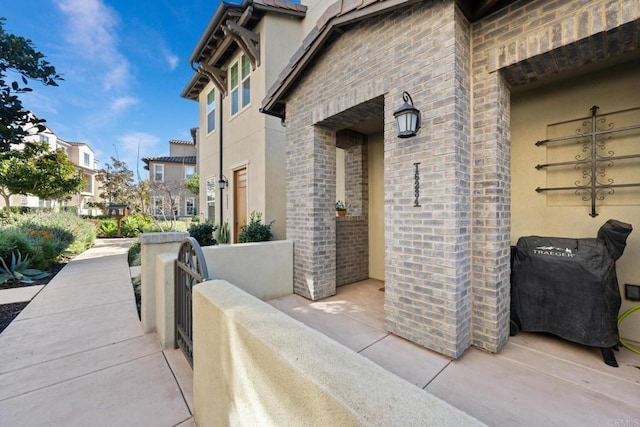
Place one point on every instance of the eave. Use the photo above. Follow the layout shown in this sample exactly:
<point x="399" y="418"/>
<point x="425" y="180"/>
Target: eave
<point x="230" y="29"/>
<point x="333" y="22"/>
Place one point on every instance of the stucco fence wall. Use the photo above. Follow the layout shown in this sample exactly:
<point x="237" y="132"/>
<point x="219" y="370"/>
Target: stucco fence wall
<point x="264" y="270"/>
<point x="254" y="365"/>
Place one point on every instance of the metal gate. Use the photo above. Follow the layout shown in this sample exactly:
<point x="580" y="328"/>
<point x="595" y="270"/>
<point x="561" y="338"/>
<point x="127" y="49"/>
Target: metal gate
<point x="191" y="269"/>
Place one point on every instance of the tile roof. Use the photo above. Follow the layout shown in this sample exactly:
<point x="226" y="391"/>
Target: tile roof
<point x="191" y="160"/>
<point x="180" y="142"/>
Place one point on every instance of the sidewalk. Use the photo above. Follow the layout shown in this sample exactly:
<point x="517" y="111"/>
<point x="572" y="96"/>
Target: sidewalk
<point x="77" y="354"/>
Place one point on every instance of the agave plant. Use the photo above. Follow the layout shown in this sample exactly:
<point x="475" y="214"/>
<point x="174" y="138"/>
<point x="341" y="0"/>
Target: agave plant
<point x="19" y="270"/>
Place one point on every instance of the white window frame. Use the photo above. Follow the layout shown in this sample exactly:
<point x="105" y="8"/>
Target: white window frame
<point x="186" y="168"/>
<point x="192" y="201"/>
<point x="211" y="111"/>
<point x="86" y="158"/>
<point x="238" y="89"/>
<point x="158" y="169"/>
<point x="155" y="205"/>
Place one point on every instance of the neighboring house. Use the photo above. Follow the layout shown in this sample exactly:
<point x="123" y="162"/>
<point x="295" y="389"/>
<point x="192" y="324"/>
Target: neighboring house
<point x="241" y="153"/>
<point x="434" y="215"/>
<point x="83" y="158"/>
<point x="169" y="197"/>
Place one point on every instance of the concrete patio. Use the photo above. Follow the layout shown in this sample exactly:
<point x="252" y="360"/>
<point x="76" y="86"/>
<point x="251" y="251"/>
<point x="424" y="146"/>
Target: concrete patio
<point x="535" y="380"/>
<point x="77" y="355"/>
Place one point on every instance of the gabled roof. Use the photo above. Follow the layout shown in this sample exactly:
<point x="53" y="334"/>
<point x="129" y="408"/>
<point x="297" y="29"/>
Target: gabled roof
<point x="227" y="29"/>
<point x="333" y="21"/>
<point x="187" y="160"/>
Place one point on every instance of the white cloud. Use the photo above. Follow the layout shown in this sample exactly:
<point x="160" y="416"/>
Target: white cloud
<point x="120" y="104"/>
<point x="92" y="29"/>
<point x="173" y="61"/>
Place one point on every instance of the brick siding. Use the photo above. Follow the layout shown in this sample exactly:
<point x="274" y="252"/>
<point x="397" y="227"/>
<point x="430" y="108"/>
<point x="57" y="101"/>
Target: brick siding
<point x="447" y="261"/>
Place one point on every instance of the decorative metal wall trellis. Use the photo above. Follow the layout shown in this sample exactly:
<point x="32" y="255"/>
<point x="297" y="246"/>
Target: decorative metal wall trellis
<point x="191" y="269"/>
<point x="592" y="163"/>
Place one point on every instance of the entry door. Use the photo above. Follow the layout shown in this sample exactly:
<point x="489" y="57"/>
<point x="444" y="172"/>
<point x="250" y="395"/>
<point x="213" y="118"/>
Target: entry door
<point x="239" y="201"/>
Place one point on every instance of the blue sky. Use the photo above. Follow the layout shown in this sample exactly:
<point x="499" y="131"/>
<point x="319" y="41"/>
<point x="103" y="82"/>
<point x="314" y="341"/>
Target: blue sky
<point x="124" y="64"/>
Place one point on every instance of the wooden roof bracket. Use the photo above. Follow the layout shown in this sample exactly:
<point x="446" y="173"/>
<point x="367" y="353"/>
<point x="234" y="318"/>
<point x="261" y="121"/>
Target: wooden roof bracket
<point x="246" y="39"/>
<point x="217" y="76"/>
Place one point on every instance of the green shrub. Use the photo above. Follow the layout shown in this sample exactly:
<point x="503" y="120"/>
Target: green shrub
<point x="223" y="235"/>
<point x="255" y="231"/>
<point x="133" y="225"/>
<point x="12" y="240"/>
<point x="133" y="255"/>
<point x="107" y="228"/>
<point x="203" y="233"/>
<point x="48" y="243"/>
<point x="63" y="233"/>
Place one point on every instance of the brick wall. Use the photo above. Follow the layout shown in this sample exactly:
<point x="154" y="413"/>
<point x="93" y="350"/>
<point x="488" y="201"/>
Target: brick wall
<point x="427" y="248"/>
<point x="526" y="42"/>
<point x="447" y="261"/>
<point x="352" y="250"/>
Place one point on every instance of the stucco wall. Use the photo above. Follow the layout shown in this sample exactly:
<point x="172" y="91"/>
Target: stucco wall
<point x="612" y="89"/>
<point x="152" y="245"/>
<point x="251" y="139"/>
<point x="265" y="269"/>
<point x="376" y="206"/>
<point x="254" y="365"/>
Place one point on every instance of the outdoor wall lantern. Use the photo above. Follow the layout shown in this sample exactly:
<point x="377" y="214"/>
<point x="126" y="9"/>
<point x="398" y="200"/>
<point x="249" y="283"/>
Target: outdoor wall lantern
<point x="407" y="117"/>
<point x="223" y="182"/>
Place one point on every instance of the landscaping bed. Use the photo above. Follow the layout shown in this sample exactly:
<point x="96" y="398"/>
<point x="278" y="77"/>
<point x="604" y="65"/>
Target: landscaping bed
<point x="8" y="312"/>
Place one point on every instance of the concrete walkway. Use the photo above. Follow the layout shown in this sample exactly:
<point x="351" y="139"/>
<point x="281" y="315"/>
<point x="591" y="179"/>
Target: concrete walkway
<point x="77" y="354"/>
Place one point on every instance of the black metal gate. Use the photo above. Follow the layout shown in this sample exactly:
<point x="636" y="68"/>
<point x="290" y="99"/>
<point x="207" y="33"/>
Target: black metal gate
<point x="191" y="269"/>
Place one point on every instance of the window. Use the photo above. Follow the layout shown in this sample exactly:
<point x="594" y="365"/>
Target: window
<point x="190" y="206"/>
<point x="87" y="159"/>
<point x="88" y="183"/>
<point x="189" y="171"/>
<point x="211" y="198"/>
<point x="158" y="173"/>
<point x="211" y="111"/>
<point x="240" y="85"/>
<point x="158" y="206"/>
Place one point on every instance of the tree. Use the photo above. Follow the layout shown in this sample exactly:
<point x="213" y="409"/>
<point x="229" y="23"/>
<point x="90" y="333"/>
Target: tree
<point x="140" y="201"/>
<point x="193" y="184"/>
<point x="117" y="182"/>
<point x="37" y="171"/>
<point x="17" y="54"/>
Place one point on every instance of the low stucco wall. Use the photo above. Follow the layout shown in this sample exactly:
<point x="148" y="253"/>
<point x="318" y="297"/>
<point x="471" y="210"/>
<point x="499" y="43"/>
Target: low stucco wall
<point x="254" y="365"/>
<point x="265" y="269"/>
<point x="152" y="245"/>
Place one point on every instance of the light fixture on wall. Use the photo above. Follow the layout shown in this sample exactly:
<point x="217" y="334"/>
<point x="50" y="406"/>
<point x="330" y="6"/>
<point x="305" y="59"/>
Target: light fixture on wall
<point x="407" y="118"/>
<point x="223" y="182"/>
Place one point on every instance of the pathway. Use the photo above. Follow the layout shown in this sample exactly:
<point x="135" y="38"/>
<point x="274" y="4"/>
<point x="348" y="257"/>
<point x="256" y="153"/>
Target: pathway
<point x="77" y="354"/>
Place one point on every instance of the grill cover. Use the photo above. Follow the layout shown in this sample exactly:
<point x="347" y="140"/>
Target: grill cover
<point x="568" y="287"/>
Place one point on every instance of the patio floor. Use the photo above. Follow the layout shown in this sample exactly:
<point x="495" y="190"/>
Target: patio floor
<point x="536" y="379"/>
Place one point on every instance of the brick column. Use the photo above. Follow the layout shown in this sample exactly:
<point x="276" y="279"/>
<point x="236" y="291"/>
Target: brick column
<point x="311" y="193"/>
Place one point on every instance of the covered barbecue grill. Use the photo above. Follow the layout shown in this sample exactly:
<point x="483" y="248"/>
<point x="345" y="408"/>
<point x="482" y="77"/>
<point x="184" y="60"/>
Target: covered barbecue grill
<point x="568" y="287"/>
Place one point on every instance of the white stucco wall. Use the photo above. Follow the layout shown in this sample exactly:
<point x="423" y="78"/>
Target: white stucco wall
<point x="254" y="365"/>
